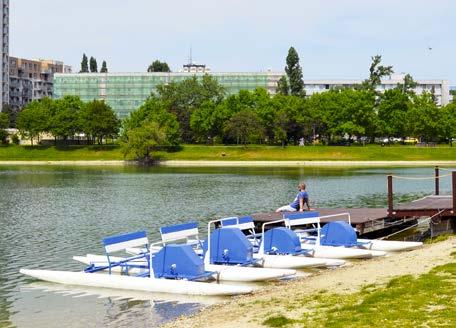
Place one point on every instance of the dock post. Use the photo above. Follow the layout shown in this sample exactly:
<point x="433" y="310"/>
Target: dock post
<point x="390" y="194"/>
<point x="454" y="191"/>
<point x="437" y="182"/>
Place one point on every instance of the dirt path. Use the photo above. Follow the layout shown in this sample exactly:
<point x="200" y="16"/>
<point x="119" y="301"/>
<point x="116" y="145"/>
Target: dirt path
<point x="249" y="311"/>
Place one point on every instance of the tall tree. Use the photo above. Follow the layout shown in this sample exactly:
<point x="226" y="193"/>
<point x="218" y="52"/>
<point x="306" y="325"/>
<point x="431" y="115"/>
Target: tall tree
<point x="183" y="98"/>
<point x="4" y="123"/>
<point x="158" y="66"/>
<point x="65" y="122"/>
<point x="12" y="115"/>
<point x="294" y="73"/>
<point x="93" y="65"/>
<point x="104" y="67"/>
<point x="408" y="86"/>
<point x="376" y="73"/>
<point x="84" y="64"/>
<point x="245" y="127"/>
<point x="282" y="86"/>
<point x="98" y="121"/>
<point x="139" y="142"/>
<point x="33" y="120"/>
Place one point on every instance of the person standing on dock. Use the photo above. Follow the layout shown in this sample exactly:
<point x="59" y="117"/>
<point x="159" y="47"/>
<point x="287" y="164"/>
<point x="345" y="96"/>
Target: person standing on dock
<point x="301" y="199"/>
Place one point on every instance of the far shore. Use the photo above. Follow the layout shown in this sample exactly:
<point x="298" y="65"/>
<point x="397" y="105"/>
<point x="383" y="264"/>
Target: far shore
<point x="205" y="163"/>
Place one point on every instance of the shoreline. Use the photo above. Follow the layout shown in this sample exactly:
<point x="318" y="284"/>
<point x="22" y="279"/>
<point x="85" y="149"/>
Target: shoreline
<point x="211" y="163"/>
<point x="249" y="311"/>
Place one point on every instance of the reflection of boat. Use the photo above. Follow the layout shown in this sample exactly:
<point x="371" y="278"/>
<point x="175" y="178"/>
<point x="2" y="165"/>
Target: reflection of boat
<point x="82" y="291"/>
<point x="175" y="269"/>
<point x="341" y="233"/>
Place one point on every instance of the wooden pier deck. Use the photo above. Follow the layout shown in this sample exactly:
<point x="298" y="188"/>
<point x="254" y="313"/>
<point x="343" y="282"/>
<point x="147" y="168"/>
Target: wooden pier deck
<point x="369" y="220"/>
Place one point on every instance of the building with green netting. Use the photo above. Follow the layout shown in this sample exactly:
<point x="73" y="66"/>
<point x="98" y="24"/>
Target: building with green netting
<point x="125" y="92"/>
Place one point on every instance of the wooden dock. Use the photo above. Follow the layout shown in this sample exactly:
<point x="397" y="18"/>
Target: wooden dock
<point x="371" y="220"/>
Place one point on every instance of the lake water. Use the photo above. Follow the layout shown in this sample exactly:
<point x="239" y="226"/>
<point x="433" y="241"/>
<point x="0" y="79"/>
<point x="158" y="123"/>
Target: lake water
<point x="49" y="214"/>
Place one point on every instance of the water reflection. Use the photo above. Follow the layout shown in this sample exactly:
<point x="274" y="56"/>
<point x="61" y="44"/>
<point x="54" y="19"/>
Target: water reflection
<point x="49" y="214"/>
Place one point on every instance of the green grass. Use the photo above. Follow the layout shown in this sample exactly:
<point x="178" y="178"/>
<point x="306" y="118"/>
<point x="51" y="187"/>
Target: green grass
<point x="439" y="238"/>
<point x="238" y="153"/>
<point x="425" y="301"/>
<point x="70" y="153"/>
<point x="309" y="153"/>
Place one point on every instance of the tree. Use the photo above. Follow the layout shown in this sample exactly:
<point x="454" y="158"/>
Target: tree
<point x="93" y="65"/>
<point x="84" y="64"/>
<point x="65" y="122"/>
<point x="392" y="112"/>
<point x="154" y="109"/>
<point x="294" y="73"/>
<point x="448" y="122"/>
<point x="282" y="86"/>
<point x="4" y="123"/>
<point x="158" y="66"/>
<point x="376" y="73"/>
<point x="424" y="118"/>
<point x="33" y="120"/>
<point x="12" y="115"/>
<point x="98" y="121"/>
<point x="140" y="141"/>
<point x="104" y="67"/>
<point x="183" y="98"/>
<point x="408" y="86"/>
<point x="207" y="122"/>
<point x="245" y="127"/>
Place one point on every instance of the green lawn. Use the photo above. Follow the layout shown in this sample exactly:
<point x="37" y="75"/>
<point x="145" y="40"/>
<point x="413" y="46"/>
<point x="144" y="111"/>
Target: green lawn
<point x="425" y="301"/>
<point x="238" y="153"/>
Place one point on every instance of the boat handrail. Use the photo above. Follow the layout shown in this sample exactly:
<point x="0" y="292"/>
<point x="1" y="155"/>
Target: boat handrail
<point x="336" y="215"/>
<point x="261" y="250"/>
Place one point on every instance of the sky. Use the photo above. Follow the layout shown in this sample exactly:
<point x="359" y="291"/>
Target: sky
<point x="334" y="38"/>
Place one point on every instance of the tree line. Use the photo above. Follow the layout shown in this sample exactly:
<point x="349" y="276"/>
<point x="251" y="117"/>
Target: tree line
<point x="198" y="110"/>
<point x="68" y="118"/>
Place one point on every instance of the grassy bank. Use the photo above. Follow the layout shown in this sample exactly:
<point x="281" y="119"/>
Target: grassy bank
<point x="238" y="153"/>
<point x="51" y="153"/>
<point x="406" y="301"/>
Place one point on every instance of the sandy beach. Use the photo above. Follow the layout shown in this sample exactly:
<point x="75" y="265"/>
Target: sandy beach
<point x="182" y="163"/>
<point x="250" y="311"/>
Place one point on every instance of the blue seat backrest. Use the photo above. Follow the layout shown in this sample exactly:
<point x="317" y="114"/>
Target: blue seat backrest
<point x="179" y="231"/>
<point x="121" y="242"/>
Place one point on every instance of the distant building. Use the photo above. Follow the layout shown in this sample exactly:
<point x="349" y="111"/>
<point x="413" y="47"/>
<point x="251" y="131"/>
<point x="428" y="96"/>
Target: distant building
<point x="32" y="79"/>
<point x="195" y="68"/>
<point x="125" y="92"/>
<point x="4" y="52"/>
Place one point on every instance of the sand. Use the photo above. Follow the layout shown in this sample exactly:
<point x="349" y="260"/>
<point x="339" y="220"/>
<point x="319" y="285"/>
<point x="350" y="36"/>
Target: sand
<point x="247" y="311"/>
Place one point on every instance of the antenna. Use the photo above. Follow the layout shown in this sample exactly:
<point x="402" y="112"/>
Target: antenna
<point x="190" y="59"/>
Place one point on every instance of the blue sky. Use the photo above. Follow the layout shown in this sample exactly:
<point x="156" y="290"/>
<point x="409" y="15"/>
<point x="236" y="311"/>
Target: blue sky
<point x="334" y="38"/>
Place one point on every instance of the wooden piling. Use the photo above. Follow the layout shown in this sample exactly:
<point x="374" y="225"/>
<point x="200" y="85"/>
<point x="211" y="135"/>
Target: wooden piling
<point x="454" y="191"/>
<point x="390" y="195"/>
<point x="437" y="181"/>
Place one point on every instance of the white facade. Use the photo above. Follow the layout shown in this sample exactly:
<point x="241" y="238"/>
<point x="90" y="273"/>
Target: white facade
<point x="440" y="88"/>
<point x="4" y="52"/>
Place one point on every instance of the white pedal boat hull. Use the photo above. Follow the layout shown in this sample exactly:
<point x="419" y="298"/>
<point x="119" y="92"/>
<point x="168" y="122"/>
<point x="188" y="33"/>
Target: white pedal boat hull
<point x="331" y="252"/>
<point x="225" y="272"/>
<point x="289" y="261"/>
<point x="137" y="283"/>
<point x="389" y="245"/>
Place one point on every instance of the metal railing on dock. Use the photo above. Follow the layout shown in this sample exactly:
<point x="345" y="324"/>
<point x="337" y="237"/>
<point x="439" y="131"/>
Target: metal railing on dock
<point x="449" y="205"/>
